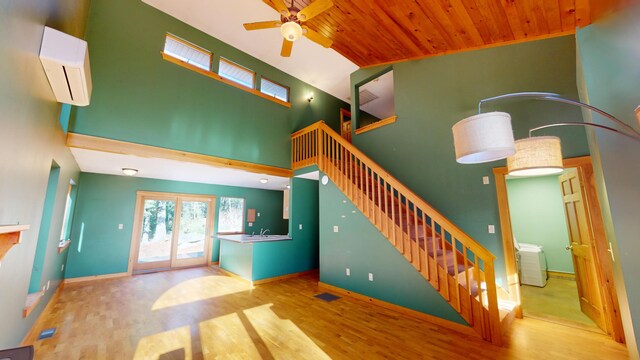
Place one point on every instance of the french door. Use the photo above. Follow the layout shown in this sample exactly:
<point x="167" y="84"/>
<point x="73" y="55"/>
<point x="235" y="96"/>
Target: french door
<point x="172" y="230"/>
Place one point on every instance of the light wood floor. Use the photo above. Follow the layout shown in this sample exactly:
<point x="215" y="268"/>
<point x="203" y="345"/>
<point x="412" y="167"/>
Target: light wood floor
<point x="556" y="302"/>
<point x="200" y="313"/>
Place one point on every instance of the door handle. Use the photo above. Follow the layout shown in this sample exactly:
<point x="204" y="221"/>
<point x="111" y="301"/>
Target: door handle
<point x="568" y="247"/>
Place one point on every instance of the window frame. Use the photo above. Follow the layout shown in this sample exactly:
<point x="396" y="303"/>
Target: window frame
<point x="279" y="84"/>
<point x="192" y="46"/>
<point x="244" y="208"/>
<point x="238" y="66"/>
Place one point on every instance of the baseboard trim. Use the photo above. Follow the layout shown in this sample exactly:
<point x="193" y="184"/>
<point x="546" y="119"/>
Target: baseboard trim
<point x="466" y="330"/>
<point x="285" y="277"/>
<point x="235" y="276"/>
<point x="32" y="336"/>
<point x="561" y="275"/>
<point x="95" y="278"/>
<point x="268" y="280"/>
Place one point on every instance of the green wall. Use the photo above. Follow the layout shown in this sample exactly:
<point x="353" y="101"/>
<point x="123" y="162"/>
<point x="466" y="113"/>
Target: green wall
<point x="32" y="139"/>
<point x="359" y="246"/>
<point x="104" y="201"/>
<point x="608" y="72"/>
<point x="139" y="97"/>
<point x="434" y="93"/>
<point x="537" y="217"/>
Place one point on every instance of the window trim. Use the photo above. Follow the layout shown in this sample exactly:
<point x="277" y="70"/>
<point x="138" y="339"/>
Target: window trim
<point x="191" y="45"/>
<point x="244" y="208"/>
<point x="238" y="66"/>
<point x="277" y="83"/>
<point x="217" y="77"/>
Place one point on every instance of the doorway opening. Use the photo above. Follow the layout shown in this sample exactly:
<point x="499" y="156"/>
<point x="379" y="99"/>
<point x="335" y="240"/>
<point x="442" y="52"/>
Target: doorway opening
<point x="579" y="291"/>
<point x="543" y="252"/>
<point x="171" y="231"/>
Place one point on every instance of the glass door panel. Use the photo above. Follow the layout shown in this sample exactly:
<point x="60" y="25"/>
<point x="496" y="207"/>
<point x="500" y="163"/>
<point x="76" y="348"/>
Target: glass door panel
<point x="156" y="233"/>
<point x="192" y="235"/>
<point x="172" y="230"/>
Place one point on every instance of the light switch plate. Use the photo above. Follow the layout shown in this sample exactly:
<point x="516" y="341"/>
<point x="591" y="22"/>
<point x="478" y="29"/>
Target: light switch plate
<point x="120" y="226"/>
<point x="485" y="180"/>
<point x="491" y="229"/>
<point x="370" y="276"/>
<point x="335" y="228"/>
<point x="348" y="272"/>
<point x="258" y="214"/>
<point x="250" y="224"/>
<point x="300" y="226"/>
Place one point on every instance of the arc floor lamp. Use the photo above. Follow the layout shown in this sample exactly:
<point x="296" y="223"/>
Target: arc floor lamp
<point x="488" y="137"/>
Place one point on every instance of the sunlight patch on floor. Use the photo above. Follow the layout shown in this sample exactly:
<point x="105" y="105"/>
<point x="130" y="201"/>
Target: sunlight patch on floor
<point x="198" y="289"/>
<point x="271" y="328"/>
<point x="176" y="341"/>
<point x="227" y="337"/>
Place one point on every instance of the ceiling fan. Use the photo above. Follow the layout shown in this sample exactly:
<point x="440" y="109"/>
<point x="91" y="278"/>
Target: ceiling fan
<point x="291" y="23"/>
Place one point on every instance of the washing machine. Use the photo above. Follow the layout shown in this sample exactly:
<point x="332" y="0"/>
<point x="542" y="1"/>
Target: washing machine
<point x="532" y="264"/>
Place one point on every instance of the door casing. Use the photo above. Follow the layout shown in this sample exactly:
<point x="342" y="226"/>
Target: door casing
<point x="137" y="224"/>
<point x="603" y="258"/>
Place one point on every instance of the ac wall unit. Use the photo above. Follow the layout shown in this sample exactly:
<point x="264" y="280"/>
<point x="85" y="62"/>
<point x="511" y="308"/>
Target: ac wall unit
<point x="65" y="60"/>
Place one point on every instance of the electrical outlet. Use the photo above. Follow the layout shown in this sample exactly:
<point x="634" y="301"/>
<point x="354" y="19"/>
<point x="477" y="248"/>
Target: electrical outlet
<point x="250" y="224"/>
<point x="258" y="214"/>
<point x="491" y="229"/>
<point x="48" y="284"/>
<point x="348" y="272"/>
<point x="335" y="228"/>
<point x="300" y="227"/>
<point x="120" y="226"/>
<point x="370" y="276"/>
<point x="485" y="180"/>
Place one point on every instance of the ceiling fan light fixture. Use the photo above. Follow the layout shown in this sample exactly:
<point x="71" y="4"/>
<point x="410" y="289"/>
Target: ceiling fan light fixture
<point x="129" y="171"/>
<point x="291" y="31"/>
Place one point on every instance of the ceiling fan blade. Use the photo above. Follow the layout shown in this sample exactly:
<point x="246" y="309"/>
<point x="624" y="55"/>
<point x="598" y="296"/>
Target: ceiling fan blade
<point x="262" y="25"/>
<point x="313" y="9"/>
<point x="316" y="37"/>
<point x="280" y="6"/>
<point x="286" y="48"/>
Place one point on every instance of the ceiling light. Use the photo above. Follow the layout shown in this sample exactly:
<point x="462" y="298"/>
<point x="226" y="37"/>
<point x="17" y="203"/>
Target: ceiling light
<point x="129" y="171"/>
<point x="288" y="186"/>
<point x="310" y="97"/>
<point x="291" y="31"/>
<point x="264" y="181"/>
<point x="540" y="155"/>
<point x="483" y="138"/>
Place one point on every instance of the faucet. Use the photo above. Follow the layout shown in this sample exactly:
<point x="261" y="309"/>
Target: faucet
<point x="263" y="232"/>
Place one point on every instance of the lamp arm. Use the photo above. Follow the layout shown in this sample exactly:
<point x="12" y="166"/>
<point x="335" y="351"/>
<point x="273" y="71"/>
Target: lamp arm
<point x="633" y="136"/>
<point x="556" y="97"/>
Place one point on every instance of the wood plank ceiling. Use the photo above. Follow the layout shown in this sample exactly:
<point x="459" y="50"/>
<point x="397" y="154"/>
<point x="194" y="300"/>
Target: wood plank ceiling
<point x="372" y="32"/>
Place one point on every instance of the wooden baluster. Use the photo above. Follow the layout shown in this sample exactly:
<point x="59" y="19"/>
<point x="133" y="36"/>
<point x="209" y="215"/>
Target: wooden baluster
<point x="366" y="191"/>
<point x="443" y="243"/>
<point x="467" y="283"/>
<point x="434" y="245"/>
<point x="407" y="225"/>
<point x="425" y="238"/>
<point x="379" y="208"/>
<point x="387" y="214"/>
<point x="343" y="171"/>
<point x="480" y="297"/>
<point x="416" y="237"/>
<point x="351" y="176"/>
<point x="455" y="271"/>
<point x="393" y="215"/>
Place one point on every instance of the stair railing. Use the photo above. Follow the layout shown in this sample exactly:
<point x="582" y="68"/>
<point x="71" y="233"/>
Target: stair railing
<point x="456" y="265"/>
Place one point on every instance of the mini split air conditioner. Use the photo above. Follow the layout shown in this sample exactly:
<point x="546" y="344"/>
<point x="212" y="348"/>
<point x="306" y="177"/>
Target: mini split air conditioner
<point x="65" y="60"/>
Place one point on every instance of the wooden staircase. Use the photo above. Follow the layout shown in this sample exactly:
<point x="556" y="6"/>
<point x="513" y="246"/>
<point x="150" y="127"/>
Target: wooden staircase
<point x="459" y="268"/>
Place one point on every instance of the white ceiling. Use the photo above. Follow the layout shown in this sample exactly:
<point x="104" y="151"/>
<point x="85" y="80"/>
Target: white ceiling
<point x="323" y="68"/>
<point x="108" y="163"/>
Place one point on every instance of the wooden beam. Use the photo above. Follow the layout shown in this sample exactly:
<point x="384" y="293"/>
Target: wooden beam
<point x="89" y="142"/>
